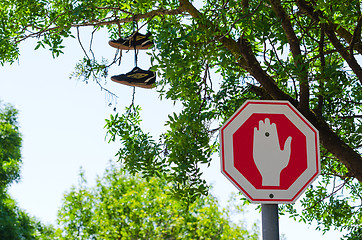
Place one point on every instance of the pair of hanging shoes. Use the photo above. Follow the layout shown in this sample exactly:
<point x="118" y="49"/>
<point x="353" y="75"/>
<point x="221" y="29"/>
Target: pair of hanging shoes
<point x="136" y="77"/>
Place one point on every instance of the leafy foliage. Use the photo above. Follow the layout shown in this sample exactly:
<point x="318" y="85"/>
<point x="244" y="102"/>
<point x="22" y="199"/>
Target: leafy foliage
<point x="141" y="152"/>
<point x="306" y="52"/>
<point x="124" y="206"/>
<point x="15" y="223"/>
<point x="10" y="144"/>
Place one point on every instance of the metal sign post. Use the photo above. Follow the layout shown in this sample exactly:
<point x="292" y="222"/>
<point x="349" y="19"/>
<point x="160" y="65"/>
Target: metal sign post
<point x="270" y="221"/>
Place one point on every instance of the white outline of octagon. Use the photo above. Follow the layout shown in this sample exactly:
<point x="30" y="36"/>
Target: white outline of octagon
<point x="291" y="194"/>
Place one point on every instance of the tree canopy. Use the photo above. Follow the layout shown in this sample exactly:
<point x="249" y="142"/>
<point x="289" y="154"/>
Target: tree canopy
<point x="15" y="223"/>
<point x="10" y="144"/>
<point x="122" y="206"/>
<point x="303" y="51"/>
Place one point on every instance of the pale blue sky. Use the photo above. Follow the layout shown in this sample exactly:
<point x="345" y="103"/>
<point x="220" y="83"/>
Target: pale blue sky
<point x="62" y="125"/>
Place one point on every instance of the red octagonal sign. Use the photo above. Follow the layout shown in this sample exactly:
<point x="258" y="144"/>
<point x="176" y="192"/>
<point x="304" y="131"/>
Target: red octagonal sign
<point x="269" y="151"/>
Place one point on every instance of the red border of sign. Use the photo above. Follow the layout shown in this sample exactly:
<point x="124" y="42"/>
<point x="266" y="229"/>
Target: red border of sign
<point x="302" y="118"/>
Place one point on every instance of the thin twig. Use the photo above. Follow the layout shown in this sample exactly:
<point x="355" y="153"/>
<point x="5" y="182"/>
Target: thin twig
<point x="356" y="35"/>
<point x="132" y="103"/>
<point x="323" y="63"/>
<point x="94" y="75"/>
<point x="115" y="59"/>
<point x="319" y="55"/>
<point x="46" y="29"/>
<point x="81" y="45"/>
<point x="329" y="195"/>
<point x="91" y="40"/>
<point x="113" y="8"/>
<point x="349" y="117"/>
<point x="212" y="131"/>
<point x="205" y="87"/>
<point x="287" y="72"/>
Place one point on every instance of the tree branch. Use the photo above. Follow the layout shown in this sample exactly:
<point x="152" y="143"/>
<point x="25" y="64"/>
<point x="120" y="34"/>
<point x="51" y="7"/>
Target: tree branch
<point x="225" y="40"/>
<point x="43" y="30"/>
<point x="264" y="95"/>
<point x="316" y="14"/>
<point x="330" y="31"/>
<point x="333" y="143"/>
<point x="254" y="68"/>
<point x="349" y="117"/>
<point x="281" y="64"/>
<point x="113" y="8"/>
<point x="296" y="52"/>
<point x="350" y="59"/>
<point x="244" y="55"/>
<point x="325" y="53"/>
<point x="356" y="35"/>
<point x="339" y="187"/>
<point x="136" y="17"/>
<point x="323" y="64"/>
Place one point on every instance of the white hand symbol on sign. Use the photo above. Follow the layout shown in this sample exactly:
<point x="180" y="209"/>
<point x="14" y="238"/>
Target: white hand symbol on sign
<point x="268" y="157"/>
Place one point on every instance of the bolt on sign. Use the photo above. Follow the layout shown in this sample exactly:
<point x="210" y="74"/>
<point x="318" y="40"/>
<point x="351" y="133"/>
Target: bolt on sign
<point x="269" y="151"/>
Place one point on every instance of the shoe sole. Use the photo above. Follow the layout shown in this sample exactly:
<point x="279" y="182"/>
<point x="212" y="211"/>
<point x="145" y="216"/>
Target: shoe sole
<point x="124" y="47"/>
<point x="141" y="85"/>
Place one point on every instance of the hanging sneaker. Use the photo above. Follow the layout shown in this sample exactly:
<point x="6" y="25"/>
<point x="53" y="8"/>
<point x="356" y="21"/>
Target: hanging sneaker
<point x="135" y="41"/>
<point x="137" y="78"/>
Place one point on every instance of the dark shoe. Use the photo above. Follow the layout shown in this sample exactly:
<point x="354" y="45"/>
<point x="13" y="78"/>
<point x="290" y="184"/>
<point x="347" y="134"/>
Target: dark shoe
<point x="135" y="41"/>
<point x="137" y="78"/>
